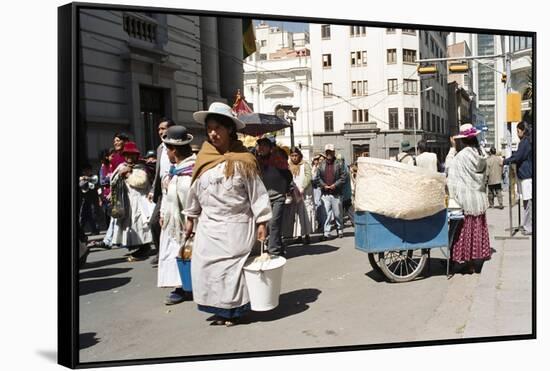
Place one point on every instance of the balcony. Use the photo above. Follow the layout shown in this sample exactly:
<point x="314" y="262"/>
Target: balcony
<point x="140" y="27"/>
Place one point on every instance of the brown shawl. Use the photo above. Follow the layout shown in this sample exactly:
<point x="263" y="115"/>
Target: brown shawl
<point x="295" y="169"/>
<point x="208" y="157"/>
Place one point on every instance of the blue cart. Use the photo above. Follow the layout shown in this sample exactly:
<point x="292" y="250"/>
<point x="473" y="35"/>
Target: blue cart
<point x="398" y="248"/>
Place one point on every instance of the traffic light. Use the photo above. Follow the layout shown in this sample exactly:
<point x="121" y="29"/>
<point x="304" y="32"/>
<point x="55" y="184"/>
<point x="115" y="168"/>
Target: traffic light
<point x="427" y="70"/>
<point x="458" y="67"/>
<point x="503" y="78"/>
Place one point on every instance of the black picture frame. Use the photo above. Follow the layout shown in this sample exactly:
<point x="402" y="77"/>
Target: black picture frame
<point x="69" y="133"/>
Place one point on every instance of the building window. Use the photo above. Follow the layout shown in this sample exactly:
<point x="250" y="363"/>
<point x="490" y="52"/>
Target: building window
<point x="488" y="111"/>
<point x="432" y="45"/>
<point x="520" y="43"/>
<point x="433" y="127"/>
<point x="410" y="86"/>
<point x="392" y="86"/>
<point x="325" y="31"/>
<point x="433" y="97"/>
<point x="355" y="31"/>
<point x="327" y="89"/>
<point x="390" y="30"/>
<point x="425" y="37"/>
<point x="393" y="118"/>
<point x="360" y="115"/>
<point x="408" y="31"/>
<point x="428" y="123"/>
<point x="409" y="56"/>
<point x="422" y="119"/>
<point x="329" y="122"/>
<point x="437" y="99"/>
<point x="443" y="128"/>
<point x="485" y="44"/>
<point x="358" y="58"/>
<point x="327" y="61"/>
<point x="486" y="78"/>
<point x="411" y="118"/>
<point x="263" y="43"/>
<point x="263" y="57"/>
<point x="439" y="125"/>
<point x="359" y="88"/>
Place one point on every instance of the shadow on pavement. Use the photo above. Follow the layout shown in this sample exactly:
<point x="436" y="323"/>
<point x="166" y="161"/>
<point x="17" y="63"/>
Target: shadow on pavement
<point x="293" y="252"/>
<point x="105" y="272"/>
<point x="290" y="303"/>
<point x="102" y="263"/>
<point x="50" y="355"/>
<point x="87" y="339"/>
<point x="104" y="284"/>
<point x="375" y="276"/>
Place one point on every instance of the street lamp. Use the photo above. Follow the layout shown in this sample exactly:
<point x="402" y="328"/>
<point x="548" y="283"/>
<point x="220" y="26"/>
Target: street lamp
<point x="414" y="126"/>
<point x="290" y="112"/>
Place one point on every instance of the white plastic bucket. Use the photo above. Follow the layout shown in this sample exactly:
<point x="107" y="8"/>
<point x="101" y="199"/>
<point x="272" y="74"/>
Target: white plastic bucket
<point x="263" y="280"/>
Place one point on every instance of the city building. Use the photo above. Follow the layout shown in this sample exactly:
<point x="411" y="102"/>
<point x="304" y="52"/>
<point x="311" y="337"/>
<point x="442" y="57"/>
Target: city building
<point x="138" y="67"/>
<point x="279" y="73"/>
<point x="461" y="97"/>
<point x="367" y="94"/>
<point x="487" y="83"/>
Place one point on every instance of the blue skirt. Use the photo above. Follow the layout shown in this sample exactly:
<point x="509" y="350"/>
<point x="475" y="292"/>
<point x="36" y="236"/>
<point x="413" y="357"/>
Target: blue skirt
<point x="226" y="313"/>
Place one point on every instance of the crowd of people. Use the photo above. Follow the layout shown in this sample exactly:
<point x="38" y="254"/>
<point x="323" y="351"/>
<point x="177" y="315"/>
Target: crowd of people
<point x="224" y="197"/>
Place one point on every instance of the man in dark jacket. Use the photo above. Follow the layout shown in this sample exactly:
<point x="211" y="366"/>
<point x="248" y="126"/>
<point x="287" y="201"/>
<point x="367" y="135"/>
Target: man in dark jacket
<point x="331" y="178"/>
<point x="162" y="167"/>
<point x="523" y="158"/>
<point x="278" y="182"/>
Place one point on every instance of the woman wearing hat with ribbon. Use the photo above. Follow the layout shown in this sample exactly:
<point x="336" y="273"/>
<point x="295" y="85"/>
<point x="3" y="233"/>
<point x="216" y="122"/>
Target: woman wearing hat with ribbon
<point x="172" y="220"/>
<point x="133" y="229"/>
<point x="230" y="207"/>
<point x="467" y="179"/>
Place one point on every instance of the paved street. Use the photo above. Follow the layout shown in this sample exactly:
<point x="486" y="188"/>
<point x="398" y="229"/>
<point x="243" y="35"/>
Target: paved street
<point x="330" y="297"/>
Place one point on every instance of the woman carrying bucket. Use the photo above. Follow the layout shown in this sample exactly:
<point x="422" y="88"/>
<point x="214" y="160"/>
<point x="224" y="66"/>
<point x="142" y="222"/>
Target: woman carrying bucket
<point x="179" y="152"/>
<point x="230" y="205"/>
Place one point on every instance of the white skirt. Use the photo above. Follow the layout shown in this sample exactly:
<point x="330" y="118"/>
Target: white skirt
<point x="168" y="273"/>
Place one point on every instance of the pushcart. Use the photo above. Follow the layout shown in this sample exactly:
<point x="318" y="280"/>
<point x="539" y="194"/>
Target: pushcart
<point x="399" y="249"/>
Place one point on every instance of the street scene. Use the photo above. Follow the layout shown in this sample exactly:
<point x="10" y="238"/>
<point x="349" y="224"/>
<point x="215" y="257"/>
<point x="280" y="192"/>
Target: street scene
<point x="250" y="185"/>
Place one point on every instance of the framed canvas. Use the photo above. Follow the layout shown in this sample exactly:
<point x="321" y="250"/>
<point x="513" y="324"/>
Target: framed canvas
<point x="326" y="125"/>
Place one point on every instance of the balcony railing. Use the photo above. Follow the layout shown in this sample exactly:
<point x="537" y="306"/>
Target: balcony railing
<point x="140" y="28"/>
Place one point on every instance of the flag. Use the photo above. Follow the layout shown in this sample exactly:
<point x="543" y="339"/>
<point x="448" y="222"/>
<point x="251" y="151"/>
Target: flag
<point x="249" y="40"/>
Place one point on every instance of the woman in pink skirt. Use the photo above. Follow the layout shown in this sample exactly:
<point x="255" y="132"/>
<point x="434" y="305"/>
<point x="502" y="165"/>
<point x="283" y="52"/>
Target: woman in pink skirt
<point x="466" y="169"/>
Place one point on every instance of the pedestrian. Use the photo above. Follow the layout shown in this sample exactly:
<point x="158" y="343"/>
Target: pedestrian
<point x="277" y="180"/>
<point x="331" y="178"/>
<point x="466" y="182"/>
<point x="426" y="159"/>
<point x="172" y="220"/>
<point x="406" y="156"/>
<point x="89" y="200"/>
<point x="494" y="181"/>
<point x="151" y="157"/>
<point x="346" y="192"/>
<point x="523" y="158"/>
<point x="105" y="184"/>
<point x="162" y="166"/>
<point x="320" y="215"/>
<point x="301" y="211"/>
<point x="230" y="207"/>
<point x="133" y="230"/>
<point x="116" y="158"/>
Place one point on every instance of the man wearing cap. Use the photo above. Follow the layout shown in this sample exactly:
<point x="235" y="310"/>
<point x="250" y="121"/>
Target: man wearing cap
<point x="162" y="167"/>
<point x="277" y="179"/>
<point x="406" y="156"/>
<point x="331" y="178"/>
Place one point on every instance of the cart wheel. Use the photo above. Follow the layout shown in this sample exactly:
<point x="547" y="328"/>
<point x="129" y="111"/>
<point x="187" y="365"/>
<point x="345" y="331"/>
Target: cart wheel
<point x="375" y="264"/>
<point x="403" y="265"/>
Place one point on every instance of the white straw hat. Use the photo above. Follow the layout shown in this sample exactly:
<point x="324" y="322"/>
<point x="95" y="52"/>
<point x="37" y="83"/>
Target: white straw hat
<point x="221" y="109"/>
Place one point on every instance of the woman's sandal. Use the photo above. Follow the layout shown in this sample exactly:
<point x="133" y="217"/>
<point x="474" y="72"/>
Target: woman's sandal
<point x="132" y="259"/>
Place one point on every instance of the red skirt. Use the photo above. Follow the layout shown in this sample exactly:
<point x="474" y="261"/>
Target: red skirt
<point x="472" y="241"/>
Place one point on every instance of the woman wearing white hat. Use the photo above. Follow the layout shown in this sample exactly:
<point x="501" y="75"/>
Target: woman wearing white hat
<point x="467" y="179"/>
<point x="230" y="205"/>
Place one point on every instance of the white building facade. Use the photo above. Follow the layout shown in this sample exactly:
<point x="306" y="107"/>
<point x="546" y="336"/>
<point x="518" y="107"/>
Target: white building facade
<point x="367" y="95"/>
<point x="279" y="73"/>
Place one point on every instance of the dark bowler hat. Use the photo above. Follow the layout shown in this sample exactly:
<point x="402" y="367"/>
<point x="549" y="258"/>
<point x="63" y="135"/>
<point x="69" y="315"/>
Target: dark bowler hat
<point x="266" y="140"/>
<point x="177" y="135"/>
<point x="150" y="154"/>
